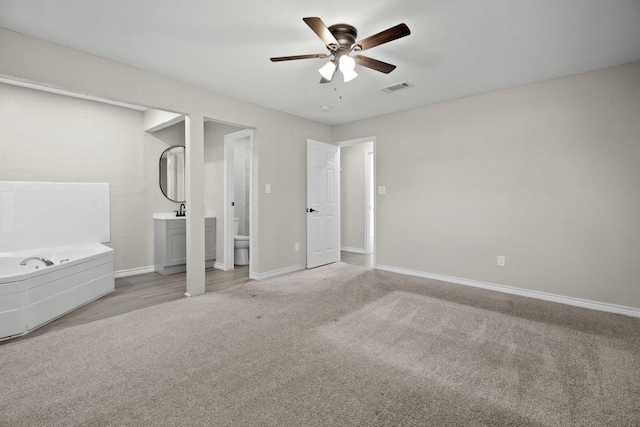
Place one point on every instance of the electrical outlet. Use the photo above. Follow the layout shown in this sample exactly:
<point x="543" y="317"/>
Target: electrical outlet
<point x="382" y="189"/>
<point x="501" y="260"/>
<point x="296" y="246"/>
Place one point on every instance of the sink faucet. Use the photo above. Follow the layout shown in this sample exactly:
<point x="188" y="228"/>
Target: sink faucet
<point x="182" y="211"/>
<point x="47" y="262"/>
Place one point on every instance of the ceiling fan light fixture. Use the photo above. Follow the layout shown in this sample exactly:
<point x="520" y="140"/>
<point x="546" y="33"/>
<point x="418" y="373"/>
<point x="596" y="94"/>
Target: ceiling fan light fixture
<point x="347" y="67"/>
<point x="327" y="70"/>
<point x="347" y="63"/>
<point x="349" y="75"/>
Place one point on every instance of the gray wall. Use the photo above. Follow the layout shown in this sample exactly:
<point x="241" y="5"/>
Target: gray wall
<point x="546" y="174"/>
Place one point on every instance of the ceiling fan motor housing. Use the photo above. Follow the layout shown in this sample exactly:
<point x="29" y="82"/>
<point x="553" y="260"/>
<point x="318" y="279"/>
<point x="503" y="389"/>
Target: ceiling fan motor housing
<point x="345" y="35"/>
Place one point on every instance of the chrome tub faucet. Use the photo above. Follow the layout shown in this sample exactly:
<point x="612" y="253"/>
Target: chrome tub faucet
<point x="47" y="262"/>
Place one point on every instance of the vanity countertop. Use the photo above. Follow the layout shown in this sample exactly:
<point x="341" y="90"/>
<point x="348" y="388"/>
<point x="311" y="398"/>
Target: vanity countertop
<point x="172" y="215"/>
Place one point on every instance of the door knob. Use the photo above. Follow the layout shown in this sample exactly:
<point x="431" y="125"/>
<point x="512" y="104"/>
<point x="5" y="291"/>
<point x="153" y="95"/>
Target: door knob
<point x="311" y="210"/>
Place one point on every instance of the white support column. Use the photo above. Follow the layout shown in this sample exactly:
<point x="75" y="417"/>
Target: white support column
<point x="194" y="142"/>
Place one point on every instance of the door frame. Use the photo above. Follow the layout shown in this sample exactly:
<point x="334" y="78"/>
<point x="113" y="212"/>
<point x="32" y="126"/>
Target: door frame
<point x="369" y="198"/>
<point x="229" y="170"/>
<point x="374" y="243"/>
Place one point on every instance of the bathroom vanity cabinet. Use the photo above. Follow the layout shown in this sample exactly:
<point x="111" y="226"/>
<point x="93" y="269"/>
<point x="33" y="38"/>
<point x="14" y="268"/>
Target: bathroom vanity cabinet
<point x="170" y="243"/>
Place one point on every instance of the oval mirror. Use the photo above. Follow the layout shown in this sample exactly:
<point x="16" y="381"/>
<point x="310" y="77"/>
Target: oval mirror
<point x="172" y="173"/>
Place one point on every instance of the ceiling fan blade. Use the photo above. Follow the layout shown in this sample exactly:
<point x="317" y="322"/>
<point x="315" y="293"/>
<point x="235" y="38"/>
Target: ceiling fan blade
<point x="291" y="58"/>
<point x="323" y="32"/>
<point x="393" y="33"/>
<point x="374" y="64"/>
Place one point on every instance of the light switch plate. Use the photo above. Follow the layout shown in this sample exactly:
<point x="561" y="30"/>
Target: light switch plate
<point x="382" y="189"/>
<point x="267" y="188"/>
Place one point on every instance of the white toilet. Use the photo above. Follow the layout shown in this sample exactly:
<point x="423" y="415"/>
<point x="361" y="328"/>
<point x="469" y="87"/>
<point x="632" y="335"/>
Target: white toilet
<point x="240" y="245"/>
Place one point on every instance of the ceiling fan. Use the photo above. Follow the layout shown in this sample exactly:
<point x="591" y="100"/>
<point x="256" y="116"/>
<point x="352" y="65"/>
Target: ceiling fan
<point x="340" y="40"/>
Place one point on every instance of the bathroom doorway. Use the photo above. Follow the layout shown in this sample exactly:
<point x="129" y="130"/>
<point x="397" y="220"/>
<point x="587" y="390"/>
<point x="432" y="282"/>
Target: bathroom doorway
<point x="238" y="160"/>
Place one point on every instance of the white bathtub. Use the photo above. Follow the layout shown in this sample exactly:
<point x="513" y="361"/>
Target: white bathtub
<point x="34" y="294"/>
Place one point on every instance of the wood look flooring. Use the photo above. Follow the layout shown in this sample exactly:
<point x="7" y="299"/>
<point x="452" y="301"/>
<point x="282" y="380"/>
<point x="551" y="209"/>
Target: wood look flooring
<point x="145" y="290"/>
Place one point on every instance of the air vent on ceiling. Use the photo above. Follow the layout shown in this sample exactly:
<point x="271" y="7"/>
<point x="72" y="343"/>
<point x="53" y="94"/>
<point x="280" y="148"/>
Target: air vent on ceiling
<point x="396" y="87"/>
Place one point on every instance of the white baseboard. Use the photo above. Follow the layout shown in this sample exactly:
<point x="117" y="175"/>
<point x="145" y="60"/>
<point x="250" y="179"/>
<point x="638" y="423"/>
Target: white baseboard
<point x="133" y="271"/>
<point x="218" y="266"/>
<point x="354" y="250"/>
<point x="577" y="302"/>
<point x="273" y="273"/>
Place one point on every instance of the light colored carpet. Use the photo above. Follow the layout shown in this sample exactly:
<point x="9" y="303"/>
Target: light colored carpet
<point x="339" y="345"/>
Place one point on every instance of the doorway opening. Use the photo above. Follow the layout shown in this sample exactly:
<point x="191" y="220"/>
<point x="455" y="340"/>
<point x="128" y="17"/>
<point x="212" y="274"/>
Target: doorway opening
<point x="358" y="199"/>
<point x="238" y="192"/>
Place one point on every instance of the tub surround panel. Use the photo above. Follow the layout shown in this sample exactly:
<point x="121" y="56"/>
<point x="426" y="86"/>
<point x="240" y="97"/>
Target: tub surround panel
<point x="12" y="302"/>
<point x="50" y="300"/>
<point x="46" y="214"/>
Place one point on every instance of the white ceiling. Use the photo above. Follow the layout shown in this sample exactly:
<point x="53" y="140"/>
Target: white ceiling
<point x="457" y="48"/>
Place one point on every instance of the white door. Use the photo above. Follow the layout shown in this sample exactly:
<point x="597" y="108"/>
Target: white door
<point x="323" y="203"/>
